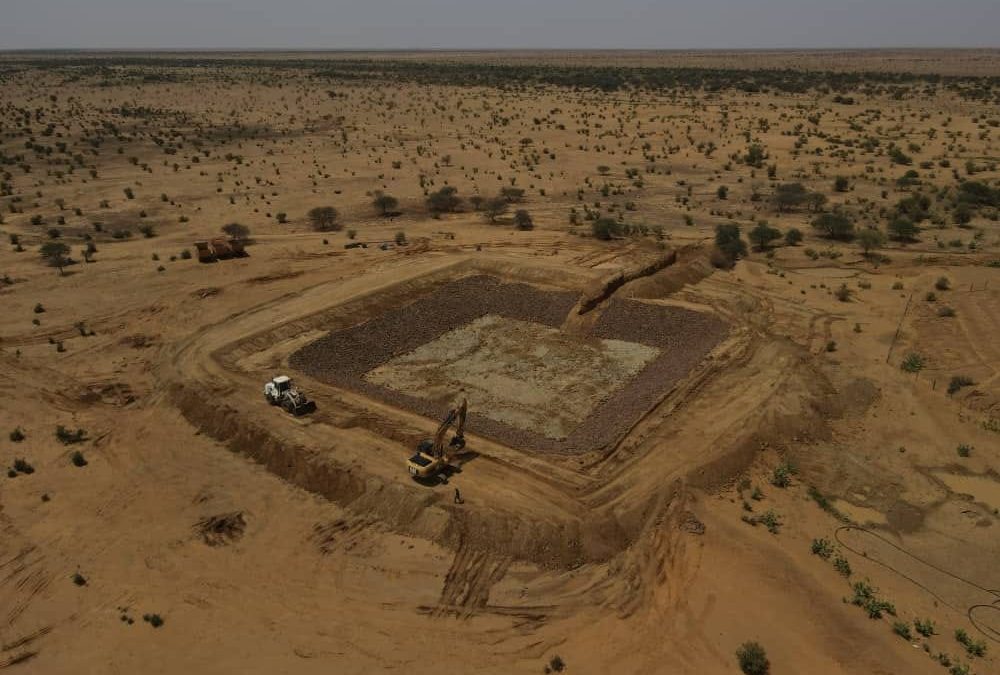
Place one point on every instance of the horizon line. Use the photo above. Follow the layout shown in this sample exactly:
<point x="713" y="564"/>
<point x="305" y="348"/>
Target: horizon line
<point x="486" y="50"/>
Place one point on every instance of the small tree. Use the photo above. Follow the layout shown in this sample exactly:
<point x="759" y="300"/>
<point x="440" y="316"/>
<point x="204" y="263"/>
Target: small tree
<point x="324" y="218"/>
<point x="834" y="225"/>
<point x="793" y="236"/>
<point x="523" y="221"/>
<point x="790" y="195"/>
<point x="755" y="156"/>
<point x="902" y="228"/>
<point x="869" y="239"/>
<point x="763" y="234"/>
<point x="606" y="229"/>
<point x="237" y="231"/>
<point x="753" y="659"/>
<point x="816" y="201"/>
<point x="729" y="242"/>
<point x="401" y="238"/>
<point x="495" y="207"/>
<point x="722" y="192"/>
<point x="386" y="204"/>
<point x="841" y="184"/>
<point x="514" y="195"/>
<point x="445" y="200"/>
<point x="56" y="254"/>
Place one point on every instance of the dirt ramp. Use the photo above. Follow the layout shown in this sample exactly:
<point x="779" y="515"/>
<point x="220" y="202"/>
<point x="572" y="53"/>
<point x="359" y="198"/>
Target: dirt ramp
<point x="599" y="293"/>
<point x="691" y="266"/>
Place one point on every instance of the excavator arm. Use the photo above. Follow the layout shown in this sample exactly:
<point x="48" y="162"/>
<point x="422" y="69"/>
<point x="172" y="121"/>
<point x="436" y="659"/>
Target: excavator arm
<point x="438" y="448"/>
<point x="458" y="440"/>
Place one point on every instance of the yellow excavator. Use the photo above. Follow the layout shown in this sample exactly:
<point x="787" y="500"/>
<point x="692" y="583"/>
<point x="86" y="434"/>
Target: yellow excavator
<point x="432" y="456"/>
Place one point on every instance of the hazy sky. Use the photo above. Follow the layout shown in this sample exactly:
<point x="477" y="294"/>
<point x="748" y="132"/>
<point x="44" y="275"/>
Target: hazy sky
<point x="483" y="24"/>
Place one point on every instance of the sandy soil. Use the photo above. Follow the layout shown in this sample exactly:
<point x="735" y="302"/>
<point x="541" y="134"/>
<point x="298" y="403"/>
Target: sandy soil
<point x="793" y="451"/>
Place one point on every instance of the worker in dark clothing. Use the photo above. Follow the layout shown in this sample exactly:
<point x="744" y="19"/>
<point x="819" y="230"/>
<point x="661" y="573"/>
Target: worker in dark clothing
<point x="458" y="497"/>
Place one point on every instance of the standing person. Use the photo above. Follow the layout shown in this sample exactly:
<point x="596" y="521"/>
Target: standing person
<point x="458" y="497"/>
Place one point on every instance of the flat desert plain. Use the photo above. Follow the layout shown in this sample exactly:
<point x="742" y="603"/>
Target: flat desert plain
<point x="728" y="326"/>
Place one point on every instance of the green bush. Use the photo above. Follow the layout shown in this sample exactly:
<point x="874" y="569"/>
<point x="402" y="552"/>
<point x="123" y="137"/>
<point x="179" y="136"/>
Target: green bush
<point x="913" y="363"/>
<point x="782" y="475"/>
<point x="924" y="626"/>
<point x="973" y="647"/>
<point x="866" y="597"/>
<point x="841" y="564"/>
<point x="606" y="229"/>
<point x="823" y="548"/>
<point x="729" y="242"/>
<point x="753" y="659"/>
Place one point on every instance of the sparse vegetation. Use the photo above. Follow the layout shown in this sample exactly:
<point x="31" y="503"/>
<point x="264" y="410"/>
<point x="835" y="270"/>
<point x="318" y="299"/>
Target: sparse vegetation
<point x="782" y="475"/>
<point x="866" y="597"/>
<point x="823" y="548"/>
<point x="842" y="565"/>
<point x="902" y="629"/>
<point x="972" y="647"/>
<point x="924" y="626"/>
<point x="841" y="193"/>
<point x="69" y="437"/>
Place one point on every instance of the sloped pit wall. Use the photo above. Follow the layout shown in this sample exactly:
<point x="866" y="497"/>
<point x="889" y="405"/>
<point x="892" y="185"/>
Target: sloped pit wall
<point x="402" y="509"/>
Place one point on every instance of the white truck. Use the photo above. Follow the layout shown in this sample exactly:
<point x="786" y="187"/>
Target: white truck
<point x="281" y="391"/>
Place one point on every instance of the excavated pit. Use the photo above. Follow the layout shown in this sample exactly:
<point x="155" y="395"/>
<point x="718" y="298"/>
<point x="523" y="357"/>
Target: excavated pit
<point x="530" y="385"/>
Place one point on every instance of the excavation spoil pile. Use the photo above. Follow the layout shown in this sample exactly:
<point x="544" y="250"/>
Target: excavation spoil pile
<point x="682" y="337"/>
